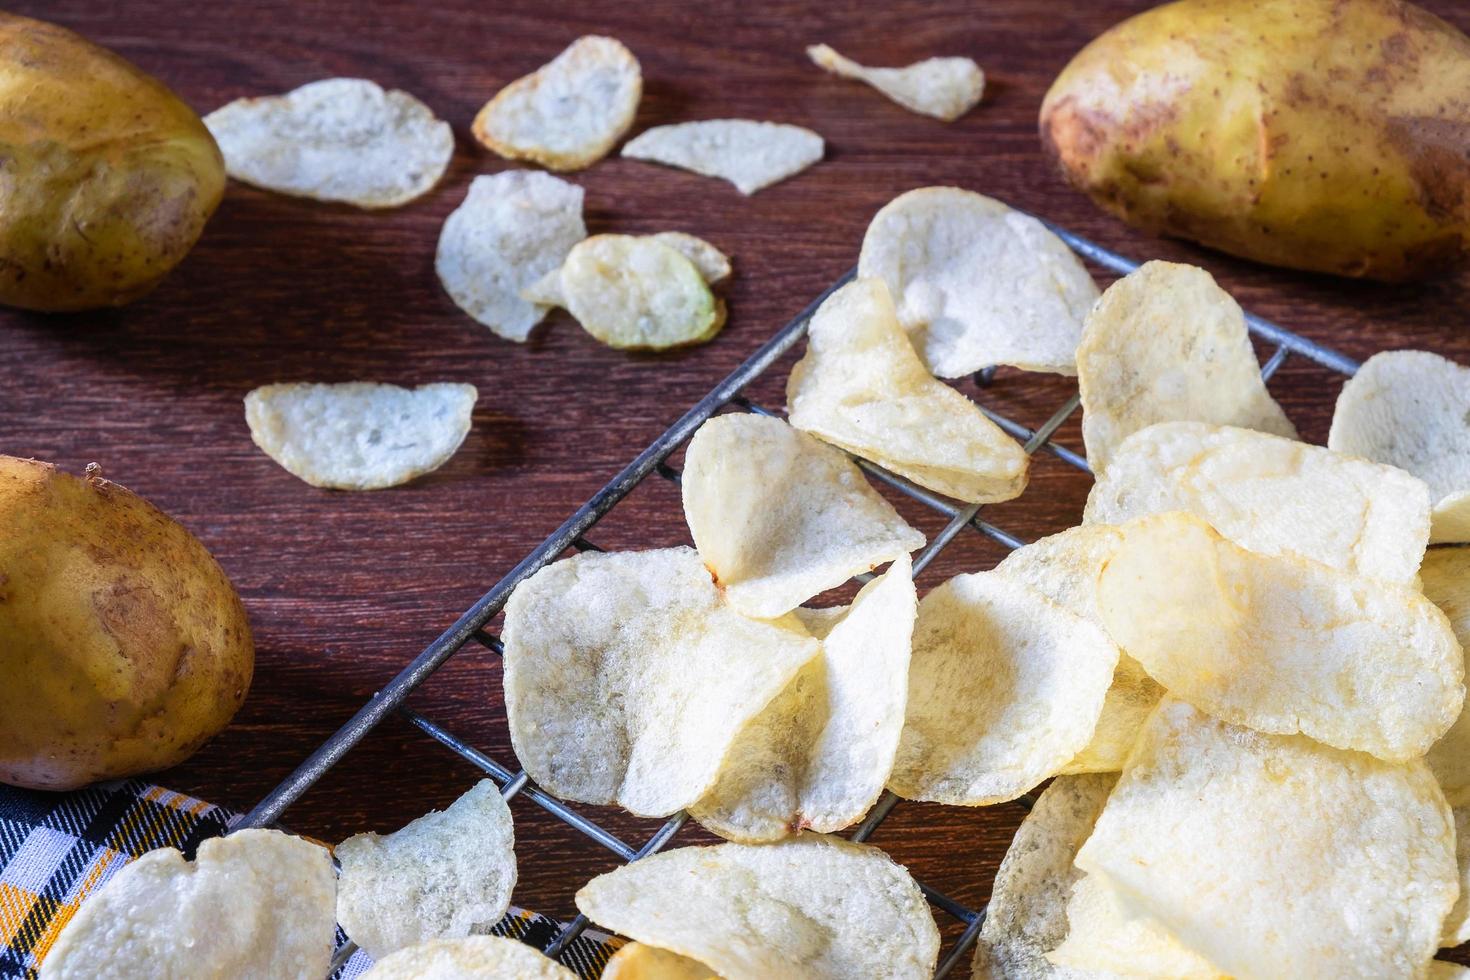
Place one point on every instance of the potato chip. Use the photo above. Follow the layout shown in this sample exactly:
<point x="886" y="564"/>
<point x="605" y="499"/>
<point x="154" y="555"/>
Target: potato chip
<point x="1272" y="495"/>
<point x="1408" y="408"/>
<point x="1102" y="940"/>
<point x="1446" y="583"/>
<point x="569" y="113"/>
<point x="636" y="293"/>
<point x="1440" y="970"/>
<point x="359" y="435"/>
<point x="255" y="904"/>
<point x="468" y="958"/>
<point x="1005" y="688"/>
<point x="862" y="388"/>
<point x="636" y="659"/>
<point x="339" y="139"/>
<point x="1282" y="644"/>
<point x="421" y="882"/>
<point x="712" y="264"/>
<point x="513" y="229"/>
<point x="1166" y="344"/>
<point x="1457" y="923"/>
<point x="976" y="283"/>
<point x="945" y="88"/>
<point x="749" y="154"/>
<point x="1274" y="855"/>
<point x="838" y="909"/>
<point x="638" y="961"/>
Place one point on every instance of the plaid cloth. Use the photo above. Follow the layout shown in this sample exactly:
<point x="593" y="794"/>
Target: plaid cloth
<point x="55" y="848"/>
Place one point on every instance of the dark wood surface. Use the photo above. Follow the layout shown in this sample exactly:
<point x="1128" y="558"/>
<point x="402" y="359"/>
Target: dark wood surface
<point x="343" y="589"/>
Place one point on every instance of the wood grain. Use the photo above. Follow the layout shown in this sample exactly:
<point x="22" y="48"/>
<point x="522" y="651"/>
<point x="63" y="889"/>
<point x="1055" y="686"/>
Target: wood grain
<point x="343" y="589"/>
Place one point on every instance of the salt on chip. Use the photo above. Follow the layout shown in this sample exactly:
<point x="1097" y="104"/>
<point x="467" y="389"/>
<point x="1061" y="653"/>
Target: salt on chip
<point x="513" y="229"/>
<point x="1166" y="344"/>
<point x="636" y="293"/>
<point x="838" y="909"/>
<point x="945" y="88"/>
<point x="1446" y="583"/>
<point x="862" y="388"/>
<point x="749" y="154"/>
<point x="359" y="435"/>
<point x="257" y="903"/>
<point x="468" y="958"/>
<point x="1282" y="644"/>
<point x="569" y="113"/>
<point x="1102" y="940"/>
<point x="1005" y="688"/>
<point x="1274" y="855"/>
<point x="638" y="660"/>
<point x="639" y="961"/>
<point x="818" y="755"/>
<point x="976" y="283"/>
<point x="339" y="139"/>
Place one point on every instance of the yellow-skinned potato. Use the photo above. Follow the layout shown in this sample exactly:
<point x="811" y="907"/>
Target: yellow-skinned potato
<point x="123" y="646"/>
<point x="1330" y="135"/>
<point x="107" y="178"/>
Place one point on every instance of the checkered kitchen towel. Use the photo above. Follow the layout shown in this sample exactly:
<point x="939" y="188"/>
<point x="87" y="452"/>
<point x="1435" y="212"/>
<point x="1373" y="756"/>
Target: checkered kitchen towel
<point x="55" y="848"/>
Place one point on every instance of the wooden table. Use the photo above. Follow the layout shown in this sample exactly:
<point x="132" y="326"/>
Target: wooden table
<point x="344" y="588"/>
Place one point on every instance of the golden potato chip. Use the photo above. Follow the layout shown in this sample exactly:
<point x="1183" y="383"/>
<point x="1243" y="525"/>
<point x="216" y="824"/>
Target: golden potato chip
<point x="569" y="113"/>
<point x="1272" y="495"/>
<point x="636" y="293"/>
<point x="1166" y="344"/>
<point x="976" y="283"/>
<point x="1457" y="923"/>
<point x="359" y="435"/>
<point x="779" y="517"/>
<point x="468" y="958"/>
<point x="1440" y="970"/>
<point x="819" y="754"/>
<point x="749" y="154"/>
<point x="1282" y="644"/>
<point x="255" y="904"/>
<point x="638" y="660"/>
<point x="638" y="961"/>
<point x="1446" y="583"/>
<point x="1274" y="855"/>
<point x="339" y="139"/>
<point x="838" y="909"/>
<point x="945" y="88"/>
<point x="712" y="264"/>
<point x="513" y="229"/>
<point x="422" y="882"/>
<point x="1005" y="688"/>
<point x="862" y="388"/>
<point x="1102" y="940"/>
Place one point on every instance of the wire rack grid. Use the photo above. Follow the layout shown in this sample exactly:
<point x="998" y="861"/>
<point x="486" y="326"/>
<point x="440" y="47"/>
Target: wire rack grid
<point x="470" y="627"/>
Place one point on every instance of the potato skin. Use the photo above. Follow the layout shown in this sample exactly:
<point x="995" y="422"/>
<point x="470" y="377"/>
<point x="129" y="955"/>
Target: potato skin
<point x="123" y="646"/>
<point x="106" y="178"/>
<point x="1327" y="135"/>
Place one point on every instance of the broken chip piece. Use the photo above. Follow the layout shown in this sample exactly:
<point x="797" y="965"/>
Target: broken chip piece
<point x="468" y="958"/>
<point x="636" y="293"/>
<point x="749" y="154"/>
<point x="945" y="88"/>
<point x="712" y="264"/>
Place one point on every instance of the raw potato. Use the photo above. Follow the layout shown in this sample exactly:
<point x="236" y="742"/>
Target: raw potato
<point x="1446" y="580"/>
<point x="751" y="155"/>
<point x="1103" y="940"/>
<point x="514" y="229"/>
<point x="1005" y="688"/>
<point x="1209" y="818"/>
<point x="838" y="909"/>
<point x="422" y="882"/>
<point x="1166" y="344"/>
<point x="123" y="645"/>
<point x="339" y="139"/>
<point x="635" y="293"/>
<point x="862" y="388"/>
<point x="977" y="283"/>
<point x="637" y="961"/>
<point x="468" y="958"/>
<point x="359" y="435"/>
<point x="109" y="178"/>
<point x="1272" y="495"/>
<point x="637" y="659"/>
<point x="945" y="88"/>
<point x="569" y="113"/>
<point x="256" y="905"/>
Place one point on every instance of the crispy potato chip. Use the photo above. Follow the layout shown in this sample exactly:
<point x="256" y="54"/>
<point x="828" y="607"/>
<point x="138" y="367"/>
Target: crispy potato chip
<point x="1282" y="644"/>
<point x="1166" y="344"/>
<point x="468" y="958"/>
<point x="255" y="904"/>
<point x="1005" y="688"/>
<point x="1272" y="495"/>
<point x="862" y="388"/>
<point x="421" y="882"/>
<point x="635" y="293"/>
<point x="839" y="909"/>
<point x="1407" y="408"/>
<point x="1274" y="855"/>
<point x="546" y="291"/>
<point x="712" y="264"/>
<point x="945" y="88"/>
<point x="749" y="154"/>
<point x="339" y="139"/>
<point x="977" y="284"/>
<point x="1457" y="923"/>
<point x="513" y="229"/>
<point x="637" y="660"/>
<point x="1102" y="940"/>
<point x="638" y="961"/>
<point x="1446" y="583"/>
<point x="569" y="113"/>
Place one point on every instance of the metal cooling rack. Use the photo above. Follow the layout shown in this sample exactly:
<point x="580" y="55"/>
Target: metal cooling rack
<point x="570" y="535"/>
